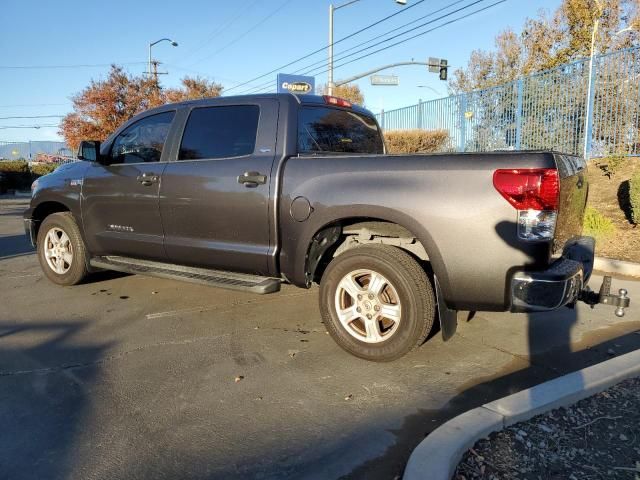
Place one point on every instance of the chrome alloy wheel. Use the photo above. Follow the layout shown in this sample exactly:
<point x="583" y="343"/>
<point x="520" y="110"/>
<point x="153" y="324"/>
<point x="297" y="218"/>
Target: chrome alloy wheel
<point x="58" y="251"/>
<point x="368" y="306"/>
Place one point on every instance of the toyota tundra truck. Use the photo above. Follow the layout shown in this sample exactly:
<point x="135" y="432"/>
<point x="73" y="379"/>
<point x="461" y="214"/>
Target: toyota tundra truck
<point x="250" y="192"/>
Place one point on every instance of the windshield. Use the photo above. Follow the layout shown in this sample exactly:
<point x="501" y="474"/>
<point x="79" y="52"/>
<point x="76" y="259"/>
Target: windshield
<point x="324" y="129"/>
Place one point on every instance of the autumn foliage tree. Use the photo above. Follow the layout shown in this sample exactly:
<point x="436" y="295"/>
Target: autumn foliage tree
<point x="550" y="40"/>
<point x="349" y="92"/>
<point x="104" y="105"/>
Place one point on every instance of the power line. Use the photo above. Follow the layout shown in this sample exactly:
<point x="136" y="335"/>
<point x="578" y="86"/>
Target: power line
<point x="419" y="34"/>
<point x="322" y="63"/>
<point x="378" y="37"/>
<point x="327" y="46"/>
<point x="422" y="33"/>
<point x="220" y="29"/>
<point x="31" y="116"/>
<point x="6" y="127"/>
<point x="413" y="29"/>
<point x="242" y="35"/>
<point x="214" y="78"/>
<point x="81" y="65"/>
<point x="16" y="105"/>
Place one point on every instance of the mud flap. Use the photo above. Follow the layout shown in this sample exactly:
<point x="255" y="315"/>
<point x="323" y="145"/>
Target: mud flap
<point x="448" y="317"/>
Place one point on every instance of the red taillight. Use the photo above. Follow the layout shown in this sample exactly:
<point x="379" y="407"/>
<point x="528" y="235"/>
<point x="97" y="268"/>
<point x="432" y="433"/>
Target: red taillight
<point x="529" y="189"/>
<point x="339" y="102"/>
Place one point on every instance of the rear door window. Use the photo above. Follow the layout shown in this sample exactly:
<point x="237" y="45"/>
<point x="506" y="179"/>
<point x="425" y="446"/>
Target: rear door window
<point x="220" y="132"/>
<point x="322" y="129"/>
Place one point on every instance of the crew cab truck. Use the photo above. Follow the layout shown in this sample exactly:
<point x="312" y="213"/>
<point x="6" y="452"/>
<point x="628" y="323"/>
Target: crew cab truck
<point x="249" y="192"/>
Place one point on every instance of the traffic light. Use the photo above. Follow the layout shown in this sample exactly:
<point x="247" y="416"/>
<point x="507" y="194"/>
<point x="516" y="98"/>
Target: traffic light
<point x="443" y="69"/>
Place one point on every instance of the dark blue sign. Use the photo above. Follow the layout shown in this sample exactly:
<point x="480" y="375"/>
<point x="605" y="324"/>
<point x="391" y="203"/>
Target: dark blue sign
<point x="298" y="84"/>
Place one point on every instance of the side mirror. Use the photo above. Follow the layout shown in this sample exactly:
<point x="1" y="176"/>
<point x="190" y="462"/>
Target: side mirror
<point x="89" y="150"/>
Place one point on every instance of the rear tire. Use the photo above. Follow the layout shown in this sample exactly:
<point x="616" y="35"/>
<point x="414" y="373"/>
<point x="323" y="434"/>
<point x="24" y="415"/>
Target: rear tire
<point x="377" y="302"/>
<point x="61" y="251"/>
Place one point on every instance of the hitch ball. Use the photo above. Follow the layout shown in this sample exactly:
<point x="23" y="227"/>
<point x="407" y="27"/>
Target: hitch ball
<point x="622" y="295"/>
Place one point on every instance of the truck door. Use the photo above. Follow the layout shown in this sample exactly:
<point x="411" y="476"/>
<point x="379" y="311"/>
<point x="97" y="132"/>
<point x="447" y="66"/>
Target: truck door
<point x="120" y="211"/>
<point x="214" y="198"/>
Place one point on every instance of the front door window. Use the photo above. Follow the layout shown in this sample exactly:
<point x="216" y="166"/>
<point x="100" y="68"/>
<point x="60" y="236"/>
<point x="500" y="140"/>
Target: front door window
<point x="142" y="141"/>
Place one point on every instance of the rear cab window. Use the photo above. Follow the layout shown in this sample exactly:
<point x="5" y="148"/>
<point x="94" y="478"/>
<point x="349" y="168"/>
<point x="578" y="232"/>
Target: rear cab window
<point x="333" y="130"/>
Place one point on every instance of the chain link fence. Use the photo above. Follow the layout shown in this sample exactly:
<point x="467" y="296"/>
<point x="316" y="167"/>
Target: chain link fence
<point x="547" y="110"/>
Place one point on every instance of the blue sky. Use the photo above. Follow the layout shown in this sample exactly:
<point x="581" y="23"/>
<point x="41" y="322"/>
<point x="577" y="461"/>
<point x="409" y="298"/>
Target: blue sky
<point x="229" y="41"/>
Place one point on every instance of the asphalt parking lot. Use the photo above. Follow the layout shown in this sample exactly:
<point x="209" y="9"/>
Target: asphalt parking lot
<point x="134" y="377"/>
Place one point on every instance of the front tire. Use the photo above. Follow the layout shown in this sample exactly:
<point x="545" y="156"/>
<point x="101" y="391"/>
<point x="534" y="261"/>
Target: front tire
<point x="377" y="302"/>
<point x="61" y="251"/>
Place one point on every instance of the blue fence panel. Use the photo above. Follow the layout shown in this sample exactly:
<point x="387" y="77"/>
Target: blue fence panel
<point x="547" y="110"/>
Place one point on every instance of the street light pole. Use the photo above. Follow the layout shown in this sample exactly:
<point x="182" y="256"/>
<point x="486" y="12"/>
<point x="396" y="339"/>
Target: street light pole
<point x="330" y="73"/>
<point x="151" y="44"/>
<point x="587" y="116"/>
<point x="332" y="9"/>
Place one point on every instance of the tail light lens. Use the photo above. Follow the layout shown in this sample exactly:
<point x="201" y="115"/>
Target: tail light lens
<point x="339" y="102"/>
<point x="534" y="193"/>
<point x="529" y="189"/>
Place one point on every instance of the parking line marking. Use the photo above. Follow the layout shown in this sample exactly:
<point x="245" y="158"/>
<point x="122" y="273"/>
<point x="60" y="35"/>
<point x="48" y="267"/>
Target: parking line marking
<point x="173" y="313"/>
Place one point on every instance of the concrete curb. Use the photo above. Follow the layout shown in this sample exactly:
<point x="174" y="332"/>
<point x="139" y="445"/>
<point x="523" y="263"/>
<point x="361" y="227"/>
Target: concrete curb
<point x="608" y="265"/>
<point x="438" y="455"/>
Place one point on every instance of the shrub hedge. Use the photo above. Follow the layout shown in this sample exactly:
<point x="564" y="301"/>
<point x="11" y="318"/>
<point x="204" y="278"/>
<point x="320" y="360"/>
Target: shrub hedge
<point x="14" y="166"/>
<point x="18" y="175"/>
<point x="39" y="169"/>
<point x="416" y="141"/>
<point x="597" y="225"/>
<point x="634" y="198"/>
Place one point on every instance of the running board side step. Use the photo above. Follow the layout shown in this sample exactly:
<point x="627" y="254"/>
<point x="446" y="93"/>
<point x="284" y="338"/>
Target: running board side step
<point x="213" y="278"/>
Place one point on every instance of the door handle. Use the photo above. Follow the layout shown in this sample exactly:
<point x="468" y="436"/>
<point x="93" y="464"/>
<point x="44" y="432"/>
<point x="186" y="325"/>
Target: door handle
<point x="252" y="179"/>
<point x="147" y="179"/>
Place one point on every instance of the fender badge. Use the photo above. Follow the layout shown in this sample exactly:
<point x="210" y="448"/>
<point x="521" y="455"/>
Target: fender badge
<point x="74" y="182"/>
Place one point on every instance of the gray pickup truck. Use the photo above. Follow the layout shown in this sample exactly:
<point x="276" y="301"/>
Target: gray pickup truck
<point x="253" y="191"/>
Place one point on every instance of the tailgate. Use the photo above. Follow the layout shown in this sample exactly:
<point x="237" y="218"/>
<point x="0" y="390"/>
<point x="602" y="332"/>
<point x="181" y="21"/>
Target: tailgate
<point x="574" y="188"/>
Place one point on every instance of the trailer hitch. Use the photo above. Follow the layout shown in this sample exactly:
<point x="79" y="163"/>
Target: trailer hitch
<point x="591" y="298"/>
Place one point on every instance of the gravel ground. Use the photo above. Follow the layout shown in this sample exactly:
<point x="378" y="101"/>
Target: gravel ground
<point x="598" y="437"/>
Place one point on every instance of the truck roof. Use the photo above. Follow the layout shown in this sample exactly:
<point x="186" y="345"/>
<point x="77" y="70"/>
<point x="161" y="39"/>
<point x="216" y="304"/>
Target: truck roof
<point x="290" y="97"/>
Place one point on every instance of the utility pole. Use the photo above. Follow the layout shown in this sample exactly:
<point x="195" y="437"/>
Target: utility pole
<point x="155" y="72"/>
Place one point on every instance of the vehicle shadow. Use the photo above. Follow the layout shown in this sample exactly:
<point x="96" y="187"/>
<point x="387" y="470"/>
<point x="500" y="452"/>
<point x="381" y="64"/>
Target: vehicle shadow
<point x="547" y="354"/>
<point x="13" y="245"/>
<point x="45" y="396"/>
<point x="550" y="356"/>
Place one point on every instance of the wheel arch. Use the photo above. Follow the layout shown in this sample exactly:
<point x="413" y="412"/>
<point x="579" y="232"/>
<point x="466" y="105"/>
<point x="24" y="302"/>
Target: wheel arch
<point x="337" y="233"/>
<point x="43" y="210"/>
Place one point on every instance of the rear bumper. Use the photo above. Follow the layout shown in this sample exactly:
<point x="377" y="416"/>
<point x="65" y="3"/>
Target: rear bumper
<point x="557" y="286"/>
